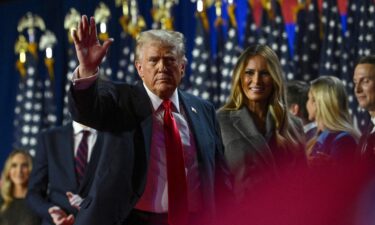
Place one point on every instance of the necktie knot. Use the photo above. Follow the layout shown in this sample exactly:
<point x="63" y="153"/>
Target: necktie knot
<point x="85" y="134"/>
<point x="167" y="104"/>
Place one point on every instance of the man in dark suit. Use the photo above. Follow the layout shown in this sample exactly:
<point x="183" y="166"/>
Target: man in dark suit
<point x="364" y="89"/>
<point x="54" y="174"/>
<point x="176" y="136"/>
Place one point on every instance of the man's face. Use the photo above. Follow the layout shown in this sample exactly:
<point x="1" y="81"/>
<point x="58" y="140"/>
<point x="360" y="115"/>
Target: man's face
<point x="160" y="68"/>
<point x="364" y="86"/>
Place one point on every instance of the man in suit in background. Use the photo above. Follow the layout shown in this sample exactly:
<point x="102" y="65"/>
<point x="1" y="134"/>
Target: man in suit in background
<point x="364" y="89"/>
<point x="55" y="170"/>
<point x="297" y="92"/>
<point x="173" y="175"/>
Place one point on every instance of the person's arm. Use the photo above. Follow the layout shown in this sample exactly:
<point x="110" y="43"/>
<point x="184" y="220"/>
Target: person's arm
<point x="38" y="182"/>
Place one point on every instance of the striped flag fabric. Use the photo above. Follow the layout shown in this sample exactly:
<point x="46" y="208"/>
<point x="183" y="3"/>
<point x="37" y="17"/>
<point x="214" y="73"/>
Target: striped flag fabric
<point x="251" y="31"/>
<point x="273" y="34"/>
<point x="230" y="52"/>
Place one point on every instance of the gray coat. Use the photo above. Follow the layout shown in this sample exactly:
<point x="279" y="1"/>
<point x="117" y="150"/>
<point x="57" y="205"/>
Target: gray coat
<point x="248" y="153"/>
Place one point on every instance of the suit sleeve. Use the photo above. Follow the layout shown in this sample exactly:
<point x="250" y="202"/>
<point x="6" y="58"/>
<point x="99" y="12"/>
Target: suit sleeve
<point x="38" y="183"/>
<point x="103" y="105"/>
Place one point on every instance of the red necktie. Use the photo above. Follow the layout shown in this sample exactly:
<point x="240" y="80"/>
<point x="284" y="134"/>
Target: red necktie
<point x="177" y="187"/>
<point x="81" y="156"/>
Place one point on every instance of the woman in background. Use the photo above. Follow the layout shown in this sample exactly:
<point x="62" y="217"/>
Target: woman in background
<point x="260" y="136"/>
<point x="336" y="138"/>
<point x="14" y="180"/>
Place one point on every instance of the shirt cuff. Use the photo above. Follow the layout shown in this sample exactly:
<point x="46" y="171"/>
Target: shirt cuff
<point x="83" y="83"/>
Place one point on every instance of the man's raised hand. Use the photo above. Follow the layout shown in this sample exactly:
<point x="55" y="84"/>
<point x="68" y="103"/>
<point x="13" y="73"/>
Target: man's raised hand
<point x="90" y="52"/>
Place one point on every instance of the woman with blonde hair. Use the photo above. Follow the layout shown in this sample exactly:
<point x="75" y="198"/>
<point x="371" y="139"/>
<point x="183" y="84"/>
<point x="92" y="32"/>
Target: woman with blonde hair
<point x="14" y="180"/>
<point x="328" y="105"/>
<point x="259" y="133"/>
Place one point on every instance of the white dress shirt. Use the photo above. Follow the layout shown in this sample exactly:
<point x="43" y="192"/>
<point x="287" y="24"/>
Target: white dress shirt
<point x="155" y="196"/>
<point x="91" y="139"/>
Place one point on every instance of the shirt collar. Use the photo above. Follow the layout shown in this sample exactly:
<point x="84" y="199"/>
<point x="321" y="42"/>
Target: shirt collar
<point x="156" y="101"/>
<point x="373" y="120"/>
<point x="78" y="128"/>
<point x="309" y="126"/>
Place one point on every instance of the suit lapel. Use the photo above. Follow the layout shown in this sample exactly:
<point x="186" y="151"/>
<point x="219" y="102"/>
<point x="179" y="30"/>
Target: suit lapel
<point x="66" y="149"/>
<point x="143" y="110"/>
<point x="193" y="112"/>
<point x="245" y="125"/>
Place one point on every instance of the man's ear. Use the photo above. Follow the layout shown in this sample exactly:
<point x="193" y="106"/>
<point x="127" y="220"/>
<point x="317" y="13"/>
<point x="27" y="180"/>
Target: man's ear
<point x="139" y="68"/>
<point x="294" y="109"/>
<point x="183" y="66"/>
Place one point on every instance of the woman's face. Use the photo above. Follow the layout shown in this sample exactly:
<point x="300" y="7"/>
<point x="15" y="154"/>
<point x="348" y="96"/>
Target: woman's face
<point x="256" y="81"/>
<point x="19" y="170"/>
<point x="311" y="107"/>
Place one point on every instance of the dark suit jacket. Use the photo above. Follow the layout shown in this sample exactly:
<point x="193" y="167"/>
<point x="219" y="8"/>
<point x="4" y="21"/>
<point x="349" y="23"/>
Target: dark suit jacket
<point x="251" y="156"/>
<point x="120" y="108"/>
<point x="366" y="146"/>
<point x="53" y="172"/>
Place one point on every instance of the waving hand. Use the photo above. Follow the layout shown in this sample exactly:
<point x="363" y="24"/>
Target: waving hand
<point x="90" y="52"/>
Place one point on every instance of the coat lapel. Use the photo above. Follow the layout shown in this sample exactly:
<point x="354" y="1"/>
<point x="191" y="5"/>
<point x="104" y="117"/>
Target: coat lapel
<point x="66" y="149"/>
<point x="143" y="110"/>
<point x="245" y="125"/>
<point x="193" y="113"/>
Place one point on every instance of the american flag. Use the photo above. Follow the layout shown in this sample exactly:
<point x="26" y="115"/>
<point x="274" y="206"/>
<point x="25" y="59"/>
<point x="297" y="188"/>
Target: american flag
<point x="307" y="42"/>
<point x="47" y="42"/>
<point x="127" y="70"/>
<point x="330" y="54"/>
<point x="218" y="62"/>
<point x="71" y="20"/>
<point x="49" y="103"/>
<point x="29" y="104"/>
<point x="200" y="78"/>
<point x="230" y="53"/>
<point x="273" y="33"/>
<point x="251" y="31"/>
<point x="358" y="42"/>
<point x="72" y="65"/>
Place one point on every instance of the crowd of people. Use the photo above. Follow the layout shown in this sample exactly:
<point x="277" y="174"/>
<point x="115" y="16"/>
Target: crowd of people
<point x="151" y="154"/>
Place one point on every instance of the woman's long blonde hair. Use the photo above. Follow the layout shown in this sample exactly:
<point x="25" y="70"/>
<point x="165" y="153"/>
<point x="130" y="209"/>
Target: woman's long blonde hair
<point x="7" y="186"/>
<point x="332" y="105"/>
<point x="285" y="131"/>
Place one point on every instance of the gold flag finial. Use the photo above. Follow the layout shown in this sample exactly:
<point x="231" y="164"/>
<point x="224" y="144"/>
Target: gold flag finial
<point x="102" y="15"/>
<point x="31" y="21"/>
<point x="20" y="48"/>
<point x="46" y="43"/>
<point x="71" y="21"/>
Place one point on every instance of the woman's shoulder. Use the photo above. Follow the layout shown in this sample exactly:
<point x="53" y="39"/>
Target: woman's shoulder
<point x="335" y="136"/>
